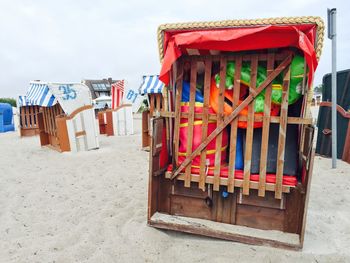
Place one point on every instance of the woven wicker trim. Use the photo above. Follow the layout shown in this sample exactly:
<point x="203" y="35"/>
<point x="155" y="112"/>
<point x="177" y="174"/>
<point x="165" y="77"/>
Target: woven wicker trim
<point x="249" y="22"/>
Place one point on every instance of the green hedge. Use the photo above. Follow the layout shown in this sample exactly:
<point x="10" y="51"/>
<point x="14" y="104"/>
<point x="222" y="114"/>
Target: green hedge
<point x="9" y="100"/>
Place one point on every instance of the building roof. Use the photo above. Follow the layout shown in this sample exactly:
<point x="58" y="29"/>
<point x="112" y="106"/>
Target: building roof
<point x="99" y="85"/>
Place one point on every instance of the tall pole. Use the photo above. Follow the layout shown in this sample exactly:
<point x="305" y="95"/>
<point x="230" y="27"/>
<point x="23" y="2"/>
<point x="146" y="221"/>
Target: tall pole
<point x="333" y="36"/>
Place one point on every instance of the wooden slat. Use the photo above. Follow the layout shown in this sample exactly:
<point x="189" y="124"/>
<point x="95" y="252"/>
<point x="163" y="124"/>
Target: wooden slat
<point x="233" y="115"/>
<point x="250" y="127"/>
<point x="53" y="119"/>
<point x="224" y="181"/>
<point x="304" y="105"/>
<point x="31" y="118"/>
<point x="273" y="119"/>
<point x="22" y="124"/>
<point x="36" y="110"/>
<point x="282" y="134"/>
<point x="207" y="81"/>
<point x="43" y="118"/>
<point x="265" y="128"/>
<point x="158" y="102"/>
<point x="219" y="121"/>
<point x="151" y="103"/>
<point x="54" y="109"/>
<point x="193" y="83"/>
<point x="216" y="58"/>
<point x="48" y="120"/>
<point x="27" y="117"/>
<point x="178" y="91"/>
<point x="233" y="133"/>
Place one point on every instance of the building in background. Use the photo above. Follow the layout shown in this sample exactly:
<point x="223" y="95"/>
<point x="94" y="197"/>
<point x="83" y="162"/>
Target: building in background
<point x="101" y="87"/>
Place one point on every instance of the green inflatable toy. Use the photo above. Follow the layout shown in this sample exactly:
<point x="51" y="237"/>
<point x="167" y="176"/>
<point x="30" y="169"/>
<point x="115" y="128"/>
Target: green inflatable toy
<point x="296" y="77"/>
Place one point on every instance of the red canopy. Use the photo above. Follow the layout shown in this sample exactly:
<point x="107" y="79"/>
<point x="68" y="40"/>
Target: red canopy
<point x="240" y="39"/>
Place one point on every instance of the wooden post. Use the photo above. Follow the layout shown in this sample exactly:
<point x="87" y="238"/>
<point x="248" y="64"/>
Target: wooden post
<point x="250" y="127"/>
<point x="207" y="82"/>
<point x="62" y="134"/>
<point x="109" y="124"/>
<point x="190" y="119"/>
<point x="219" y="121"/>
<point x="234" y="124"/>
<point x="178" y="91"/>
<point x="265" y="128"/>
<point x="282" y="134"/>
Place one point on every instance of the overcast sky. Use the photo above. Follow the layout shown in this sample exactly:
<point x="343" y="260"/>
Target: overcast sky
<point x="69" y="40"/>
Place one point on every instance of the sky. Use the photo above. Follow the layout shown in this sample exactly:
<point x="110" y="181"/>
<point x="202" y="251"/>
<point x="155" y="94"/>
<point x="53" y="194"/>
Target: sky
<point x="71" y="40"/>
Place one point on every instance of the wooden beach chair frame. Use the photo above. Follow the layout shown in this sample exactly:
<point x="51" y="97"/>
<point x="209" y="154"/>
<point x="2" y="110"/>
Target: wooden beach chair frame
<point x="253" y="212"/>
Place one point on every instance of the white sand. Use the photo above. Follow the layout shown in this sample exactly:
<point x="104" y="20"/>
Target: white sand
<point x="91" y="207"/>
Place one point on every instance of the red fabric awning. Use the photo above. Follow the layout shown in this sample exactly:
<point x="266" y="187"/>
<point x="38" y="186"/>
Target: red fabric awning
<point x="240" y="39"/>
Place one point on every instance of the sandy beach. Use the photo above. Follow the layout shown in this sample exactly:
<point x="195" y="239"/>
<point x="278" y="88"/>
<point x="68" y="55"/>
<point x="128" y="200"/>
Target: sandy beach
<point x="92" y="207"/>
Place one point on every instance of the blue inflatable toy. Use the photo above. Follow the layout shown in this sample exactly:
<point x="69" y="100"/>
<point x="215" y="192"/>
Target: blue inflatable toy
<point x="6" y="118"/>
<point x="239" y="163"/>
<point x="186" y="93"/>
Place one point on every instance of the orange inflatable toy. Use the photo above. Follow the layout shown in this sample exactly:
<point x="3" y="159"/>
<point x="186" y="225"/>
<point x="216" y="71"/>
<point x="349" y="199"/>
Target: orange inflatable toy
<point x="228" y="102"/>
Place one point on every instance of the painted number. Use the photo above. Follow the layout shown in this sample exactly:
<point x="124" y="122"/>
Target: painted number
<point x="132" y="96"/>
<point x="68" y="91"/>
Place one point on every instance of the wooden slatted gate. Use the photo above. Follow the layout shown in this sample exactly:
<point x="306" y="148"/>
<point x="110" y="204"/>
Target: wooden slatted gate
<point x="276" y="64"/>
<point x="157" y="106"/>
<point x="28" y="120"/>
<point x="48" y="126"/>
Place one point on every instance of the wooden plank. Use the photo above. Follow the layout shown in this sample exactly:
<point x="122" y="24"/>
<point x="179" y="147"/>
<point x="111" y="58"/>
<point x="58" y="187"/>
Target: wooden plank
<point x="273" y="119"/>
<point x="22" y="119"/>
<point x="250" y="128"/>
<point x="190" y="120"/>
<point x="260" y="217"/>
<point x="216" y="58"/>
<point x="224" y="182"/>
<point x="43" y="118"/>
<point x="62" y="134"/>
<point x="234" y="123"/>
<point x="219" y="206"/>
<point x="151" y="103"/>
<point x="233" y="208"/>
<point x="182" y="205"/>
<point x="268" y="200"/>
<point x="49" y="122"/>
<point x="265" y="128"/>
<point x="219" y="121"/>
<point x="36" y="110"/>
<point x="31" y="117"/>
<point x="282" y="134"/>
<point x="46" y="119"/>
<point x="27" y="118"/>
<point x="226" y="231"/>
<point x="178" y="96"/>
<point x="205" y="116"/>
<point x="307" y="190"/>
<point x="233" y="115"/>
<point x="158" y="102"/>
<point x="109" y="123"/>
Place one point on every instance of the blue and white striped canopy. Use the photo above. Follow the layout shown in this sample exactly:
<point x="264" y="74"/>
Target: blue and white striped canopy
<point x="22" y="101"/>
<point x="151" y="84"/>
<point x="38" y="94"/>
